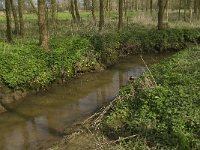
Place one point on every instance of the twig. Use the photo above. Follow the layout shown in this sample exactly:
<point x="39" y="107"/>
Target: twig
<point x="148" y="70"/>
<point x="118" y="140"/>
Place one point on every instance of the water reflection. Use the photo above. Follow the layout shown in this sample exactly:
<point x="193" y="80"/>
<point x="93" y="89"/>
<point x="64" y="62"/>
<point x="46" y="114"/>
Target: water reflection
<point x="41" y="119"/>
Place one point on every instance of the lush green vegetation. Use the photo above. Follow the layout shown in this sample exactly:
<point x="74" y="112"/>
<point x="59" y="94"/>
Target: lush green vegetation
<point x="161" y="108"/>
<point x="27" y="65"/>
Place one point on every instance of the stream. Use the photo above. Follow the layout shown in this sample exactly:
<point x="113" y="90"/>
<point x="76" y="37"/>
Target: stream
<point x="40" y="119"/>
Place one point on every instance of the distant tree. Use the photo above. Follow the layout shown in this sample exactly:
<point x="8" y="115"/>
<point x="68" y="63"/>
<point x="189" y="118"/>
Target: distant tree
<point x="15" y="17"/>
<point x="8" y="20"/>
<point x="53" y="11"/>
<point x="101" y="15"/>
<point x="162" y="4"/>
<point x="93" y="10"/>
<point x="21" y="19"/>
<point x="120" y="9"/>
<point x="42" y="24"/>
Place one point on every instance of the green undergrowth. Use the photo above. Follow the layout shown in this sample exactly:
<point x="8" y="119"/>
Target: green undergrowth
<point x="24" y="64"/>
<point x="162" y="114"/>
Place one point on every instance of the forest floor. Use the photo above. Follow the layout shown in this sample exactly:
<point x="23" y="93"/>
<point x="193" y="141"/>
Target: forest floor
<point x="159" y="110"/>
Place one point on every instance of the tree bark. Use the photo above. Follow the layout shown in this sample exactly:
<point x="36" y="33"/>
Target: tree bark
<point x="151" y="6"/>
<point x="21" y="19"/>
<point x="190" y="10"/>
<point x="161" y="5"/>
<point x="8" y="21"/>
<point x="15" y="17"/>
<point x="77" y="11"/>
<point x="72" y="10"/>
<point x="93" y="10"/>
<point x="42" y="24"/>
<point x="120" y="9"/>
<point x="53" y="12"/>
<point x="101" y="15"/>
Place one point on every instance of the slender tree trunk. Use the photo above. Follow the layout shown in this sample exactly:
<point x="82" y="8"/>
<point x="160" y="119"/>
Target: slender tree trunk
<point x="93" y="10"/>
<point x="167" y="11"/>
<point x="21" y="19"/>
<point x="161" y="5"/>
<point x="195" y="6"/>
<point x="77" y="11"/>
<point x="147" y="5"/>
<point x="142" y="5"/>
<point x="198" y="9"/>
<point x="101" y="15"/>
<point x="42" y="24"/>
<point x="136" y="5"/>
<point x="179" y="13"/>
<point x="185" y="10"/>
<point x="125" y="8"/>
<point x="8" y="21"/>
<point x="53" y="12"/>
<point x="72" y="10"/>
<point x="15" y="17"/>
<point x="190" y="10"/>
<point x="120" y="9"/>
<point x="151" y="6"/>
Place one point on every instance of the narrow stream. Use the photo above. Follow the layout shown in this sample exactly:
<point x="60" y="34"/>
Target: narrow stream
<point x="40" y="119"/>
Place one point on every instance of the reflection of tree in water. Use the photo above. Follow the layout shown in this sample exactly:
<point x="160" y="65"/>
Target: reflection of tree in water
<point x="29" y="134"/>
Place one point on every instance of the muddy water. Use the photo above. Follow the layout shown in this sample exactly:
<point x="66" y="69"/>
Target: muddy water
<point x="40" y="119"/>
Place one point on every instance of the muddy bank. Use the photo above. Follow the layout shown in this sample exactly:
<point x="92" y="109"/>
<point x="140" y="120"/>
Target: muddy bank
<point x="10" y="98"/>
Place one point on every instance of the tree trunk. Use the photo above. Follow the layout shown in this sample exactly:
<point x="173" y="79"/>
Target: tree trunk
<point x="179" y="11"/>
<point x="15" y="17"/>
<point x="101" y="15"/>
<point x="151" y="6"/>
<point x="185" y="10"/>
<point x="142" y="5"/>
<point x="190" y="10"/>
<point x="125" y="9"/>
<point x="195" y="6"/>
<point x="120" y="9"/>
<point x="167" y="11"/>
<point x="136" y="5"/>
<point x="21" y="19"/>
<point x="42" y="24"/>
<point x="53" y="12"/>
<point x="8" y="21"/>
<point x="72" y="10"/>
<point x="161" y="5"/>
<point x="77" y="11"/>
<point x="93" y="10"/>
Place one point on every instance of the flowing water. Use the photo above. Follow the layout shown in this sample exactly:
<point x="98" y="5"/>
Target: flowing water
<point x="40" y="119"/>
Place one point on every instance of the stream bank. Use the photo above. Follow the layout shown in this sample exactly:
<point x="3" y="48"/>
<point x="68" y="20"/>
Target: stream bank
<point x="77" y="54"/>
<point x="160" y="110"/>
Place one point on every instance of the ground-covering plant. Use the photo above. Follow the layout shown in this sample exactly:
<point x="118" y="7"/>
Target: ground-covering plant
<point x="27" y="65"/>
<point x="161" y="109"/>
